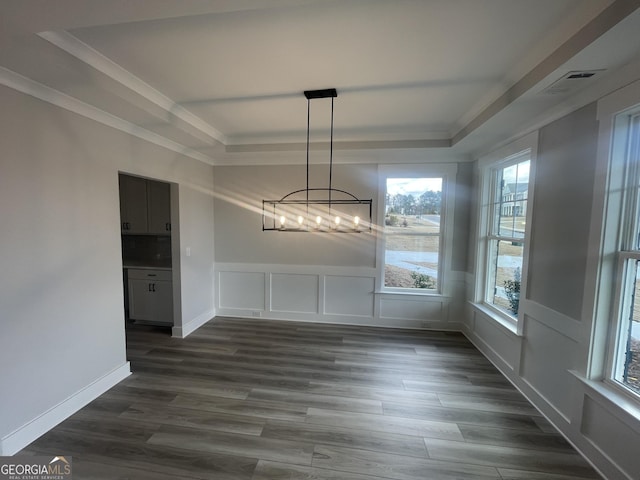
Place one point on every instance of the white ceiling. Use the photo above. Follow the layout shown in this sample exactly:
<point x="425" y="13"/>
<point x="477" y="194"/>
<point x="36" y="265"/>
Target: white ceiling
<point x="224" y="79"/>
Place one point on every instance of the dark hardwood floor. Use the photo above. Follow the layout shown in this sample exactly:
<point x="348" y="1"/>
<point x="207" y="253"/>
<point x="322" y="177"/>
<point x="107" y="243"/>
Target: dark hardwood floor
<point x="266" y="400"/>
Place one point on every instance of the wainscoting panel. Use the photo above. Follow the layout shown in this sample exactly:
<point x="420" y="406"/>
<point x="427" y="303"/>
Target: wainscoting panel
<point x="329" y="294"/>
<point x="601" y="427"/>
<point x="351" y="296"/>
<point x="548" y="356"/>
<point x="294" y="293"/>
<point x="499" y="344"/>
<point x="241" y="290"/>
<point x="418" y="308"/>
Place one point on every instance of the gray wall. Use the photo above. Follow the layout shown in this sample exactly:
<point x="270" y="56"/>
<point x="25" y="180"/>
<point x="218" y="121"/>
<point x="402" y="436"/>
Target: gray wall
<point x="61" y="323"/>
<point x="238" y="210"/>
<point x="563" y="185"/>
<point x="462" y="235"/>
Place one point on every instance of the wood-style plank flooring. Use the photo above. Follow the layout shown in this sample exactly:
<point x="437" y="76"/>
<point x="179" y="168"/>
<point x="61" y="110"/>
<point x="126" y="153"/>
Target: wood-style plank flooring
<point x="266" y="400"/>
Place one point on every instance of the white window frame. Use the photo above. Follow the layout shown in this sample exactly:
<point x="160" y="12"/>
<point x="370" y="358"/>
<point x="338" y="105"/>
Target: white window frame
<point x="515" y="152"/>
<point x="448" y="174"/>
<point x="614" y="200"/>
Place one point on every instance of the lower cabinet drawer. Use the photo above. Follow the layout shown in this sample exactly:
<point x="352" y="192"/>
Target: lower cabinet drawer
<point x="149" y="274"/>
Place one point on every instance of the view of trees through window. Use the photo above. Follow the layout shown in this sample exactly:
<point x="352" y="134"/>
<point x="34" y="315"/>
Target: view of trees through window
<point x="412" y="232"/>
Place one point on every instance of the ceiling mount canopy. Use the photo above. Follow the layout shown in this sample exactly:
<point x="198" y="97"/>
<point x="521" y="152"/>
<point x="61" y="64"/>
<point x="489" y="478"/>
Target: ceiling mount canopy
<point x="318" y="209"/>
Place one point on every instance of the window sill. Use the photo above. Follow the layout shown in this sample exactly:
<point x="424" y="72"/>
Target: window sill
<point x="627" y="405"/>
<point x="510" y="325"/>
<point x="401" y="293"/>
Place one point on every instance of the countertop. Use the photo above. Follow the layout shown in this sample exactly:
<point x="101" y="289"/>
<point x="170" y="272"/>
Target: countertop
<point x="148" y="265"/>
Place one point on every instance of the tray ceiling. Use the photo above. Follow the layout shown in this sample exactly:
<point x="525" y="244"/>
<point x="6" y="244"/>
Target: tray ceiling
<point x="224" y="78"/>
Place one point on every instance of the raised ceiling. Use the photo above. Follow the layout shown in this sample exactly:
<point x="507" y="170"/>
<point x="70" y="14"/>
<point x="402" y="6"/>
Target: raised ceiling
<point x="223" y="80"/>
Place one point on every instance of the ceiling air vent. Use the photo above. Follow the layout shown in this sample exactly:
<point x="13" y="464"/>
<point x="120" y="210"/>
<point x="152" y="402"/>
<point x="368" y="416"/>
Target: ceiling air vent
<point x="571" y="81"/>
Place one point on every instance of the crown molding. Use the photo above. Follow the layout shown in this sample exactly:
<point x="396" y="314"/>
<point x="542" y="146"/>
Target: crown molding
<point x="35" y="89"/>
<point x="83" y="52"/>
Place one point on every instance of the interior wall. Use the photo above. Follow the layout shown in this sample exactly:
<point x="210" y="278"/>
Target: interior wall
<point x="62" y="320"/>
<point x="196" y="254"/>
<point x="546" y="360"/>
<point x="565" y="171"/>
<point x="331" y="278"/>
<point x="238" y="211"/>
<point x="461" y="240"/>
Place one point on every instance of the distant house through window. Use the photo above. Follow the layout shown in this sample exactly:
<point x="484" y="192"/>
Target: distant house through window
<point x="506" y="236"/>
<point x="503" y="233"/>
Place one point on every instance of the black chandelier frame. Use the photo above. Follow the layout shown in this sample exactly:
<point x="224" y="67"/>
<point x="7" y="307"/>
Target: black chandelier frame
<point x="291" y="214"/>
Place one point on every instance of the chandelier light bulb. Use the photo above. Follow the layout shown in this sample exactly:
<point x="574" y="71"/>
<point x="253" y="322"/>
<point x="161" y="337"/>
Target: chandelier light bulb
<point x="282" y="221"/>
<point x="300" y="220"/>
<point x="318" y="220"/>
<point x="356" y="220"/>
<point x="337" y="220"/>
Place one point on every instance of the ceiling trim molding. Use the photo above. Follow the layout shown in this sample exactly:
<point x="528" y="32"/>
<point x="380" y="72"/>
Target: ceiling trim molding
<point x="35" y="89"/>
<point x="83" y="52"/>
<point x="607" y="19"/>
<point x="342" y="145"/>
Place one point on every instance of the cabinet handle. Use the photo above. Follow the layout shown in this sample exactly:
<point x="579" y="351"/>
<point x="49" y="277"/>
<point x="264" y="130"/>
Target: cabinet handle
<point x="153" y="287"/>
<point x="167" y="227"/>
<point x="149" y="287"/>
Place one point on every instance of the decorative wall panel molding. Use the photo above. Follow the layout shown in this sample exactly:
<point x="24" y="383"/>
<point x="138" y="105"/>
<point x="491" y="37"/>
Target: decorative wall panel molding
<point x="330" y="294"/>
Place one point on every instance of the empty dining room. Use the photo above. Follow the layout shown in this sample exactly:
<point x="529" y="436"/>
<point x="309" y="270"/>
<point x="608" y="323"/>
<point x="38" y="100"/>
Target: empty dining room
<point x="320" y="239"/>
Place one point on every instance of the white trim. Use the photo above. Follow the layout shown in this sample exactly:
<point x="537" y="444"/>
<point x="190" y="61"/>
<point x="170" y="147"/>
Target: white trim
<point x="295" y="269"/>
<point x="192" y="325"/>
<point x="74" y="46"/>
<point x="500" y="320"/>
<point x="24" y="435"/>
<point x="566" y="326"/>
<point x="42" y="92"/>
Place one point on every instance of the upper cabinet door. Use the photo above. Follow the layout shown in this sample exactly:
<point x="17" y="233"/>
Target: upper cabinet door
<point x="159" y="207"/>
<point x="133" y="205"/>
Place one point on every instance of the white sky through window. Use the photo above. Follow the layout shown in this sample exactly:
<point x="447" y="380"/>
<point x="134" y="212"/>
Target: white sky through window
<point x="413" y="186"/>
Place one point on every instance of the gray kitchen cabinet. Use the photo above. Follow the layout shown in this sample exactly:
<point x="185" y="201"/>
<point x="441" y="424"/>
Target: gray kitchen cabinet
<point x="159" y="207"/>
<point x="145" y="206"/>
<point x="133" y="205"/>
<point x="150" y="296"/>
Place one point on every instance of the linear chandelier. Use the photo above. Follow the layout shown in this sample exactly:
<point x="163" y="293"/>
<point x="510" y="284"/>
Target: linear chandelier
<point x="329" y="209"/>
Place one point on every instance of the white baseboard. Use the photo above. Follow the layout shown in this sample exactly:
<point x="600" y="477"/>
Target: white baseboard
<point x="23" y="436"/>
<point x="193" y="325"/>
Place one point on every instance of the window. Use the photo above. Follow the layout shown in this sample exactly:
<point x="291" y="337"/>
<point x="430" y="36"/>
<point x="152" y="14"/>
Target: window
<point x="413" y="226"/>
<point x="503" y="228"/>
<point x="625" y="353"/>
<point x="412" y="232"/>
<point x="506" y="234"/>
